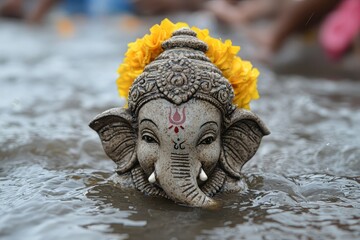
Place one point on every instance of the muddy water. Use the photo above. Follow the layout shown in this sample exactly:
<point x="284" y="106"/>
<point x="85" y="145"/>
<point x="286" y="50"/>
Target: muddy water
<point x="55" y="179"/>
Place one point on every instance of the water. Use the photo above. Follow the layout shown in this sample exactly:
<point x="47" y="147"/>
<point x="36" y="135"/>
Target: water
<point x="55" y="180"/>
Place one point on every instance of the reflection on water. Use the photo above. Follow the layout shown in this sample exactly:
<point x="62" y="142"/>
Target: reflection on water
<point x="55" y="181"/>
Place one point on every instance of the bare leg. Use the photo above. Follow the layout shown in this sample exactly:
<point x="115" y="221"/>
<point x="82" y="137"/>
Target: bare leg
<point x="11" y="9"/>
<point x="244" y="11"/>
<point x="298" y="16"/>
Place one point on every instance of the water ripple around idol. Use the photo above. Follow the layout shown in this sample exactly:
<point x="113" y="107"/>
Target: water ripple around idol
<point x="56" y="182"/>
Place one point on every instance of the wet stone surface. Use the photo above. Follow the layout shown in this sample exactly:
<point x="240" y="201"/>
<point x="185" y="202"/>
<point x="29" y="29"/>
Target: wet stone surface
<point x="55" y="180"/>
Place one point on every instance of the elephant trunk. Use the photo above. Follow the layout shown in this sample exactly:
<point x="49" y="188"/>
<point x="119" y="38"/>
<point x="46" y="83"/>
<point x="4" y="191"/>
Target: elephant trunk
<point x="178" y="178"/>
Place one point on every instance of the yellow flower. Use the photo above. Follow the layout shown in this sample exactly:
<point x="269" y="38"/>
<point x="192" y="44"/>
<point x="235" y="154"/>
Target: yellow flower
<point x="241" y="74"/>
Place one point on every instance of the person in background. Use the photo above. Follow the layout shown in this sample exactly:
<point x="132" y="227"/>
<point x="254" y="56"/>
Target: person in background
<point x="339" y="22"/>
<point x="341" y="29"/>
<point x="297" y="17"/>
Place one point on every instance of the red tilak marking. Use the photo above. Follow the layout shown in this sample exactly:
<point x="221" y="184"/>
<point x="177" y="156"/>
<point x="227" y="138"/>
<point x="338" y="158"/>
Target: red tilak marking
<point x="177" y="119"/>
<point x="176" y="116"/>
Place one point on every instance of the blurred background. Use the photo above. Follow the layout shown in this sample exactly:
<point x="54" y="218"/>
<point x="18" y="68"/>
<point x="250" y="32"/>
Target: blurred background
<point x="58" y="63"/>
<point x="292" y="36"/>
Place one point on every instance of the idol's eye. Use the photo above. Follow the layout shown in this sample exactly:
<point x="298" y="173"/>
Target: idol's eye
<point x="149" y="139"/>
<point x="207" y="140"/>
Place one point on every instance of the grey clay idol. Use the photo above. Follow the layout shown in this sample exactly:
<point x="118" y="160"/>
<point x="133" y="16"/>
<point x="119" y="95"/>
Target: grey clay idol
<point x="180" y="137"/>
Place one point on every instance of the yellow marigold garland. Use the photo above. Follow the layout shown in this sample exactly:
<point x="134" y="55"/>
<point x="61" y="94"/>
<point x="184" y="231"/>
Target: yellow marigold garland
<point x="241" y="74"/>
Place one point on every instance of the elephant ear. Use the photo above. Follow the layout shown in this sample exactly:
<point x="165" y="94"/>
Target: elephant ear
<point x="241" y="140"/>
<point x="118" y="137"/>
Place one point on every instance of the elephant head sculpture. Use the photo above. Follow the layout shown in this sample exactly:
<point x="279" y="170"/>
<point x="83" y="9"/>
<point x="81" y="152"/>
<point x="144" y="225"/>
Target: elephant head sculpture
<point x="181" y="137"/>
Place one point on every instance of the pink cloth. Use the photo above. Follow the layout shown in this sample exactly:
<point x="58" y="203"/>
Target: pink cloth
<point x="340" y="28"/>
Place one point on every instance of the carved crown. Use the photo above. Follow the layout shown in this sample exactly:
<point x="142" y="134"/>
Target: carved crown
<point x="180" y="73"/>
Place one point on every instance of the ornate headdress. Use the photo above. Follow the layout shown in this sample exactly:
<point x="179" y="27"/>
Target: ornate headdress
<point x="186" y="64"/>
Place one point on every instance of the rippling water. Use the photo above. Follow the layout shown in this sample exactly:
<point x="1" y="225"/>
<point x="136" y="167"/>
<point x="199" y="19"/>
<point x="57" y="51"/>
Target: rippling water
<point x="55" y="180"/>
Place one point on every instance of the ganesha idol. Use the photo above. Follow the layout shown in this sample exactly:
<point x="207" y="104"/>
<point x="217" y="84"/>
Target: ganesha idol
<point x="181" y="136"/>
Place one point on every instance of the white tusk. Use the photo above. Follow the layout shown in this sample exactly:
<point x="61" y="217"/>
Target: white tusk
<point x="152" y="178"/>
<point x="203" y="176"/>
